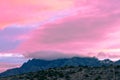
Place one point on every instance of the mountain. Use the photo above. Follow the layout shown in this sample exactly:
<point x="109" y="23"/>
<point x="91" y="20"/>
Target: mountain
<point x="117" y="62"/>
<point x="71" y="73"/>
<point x="107" y="62"/>
<point x="40" y="64"/>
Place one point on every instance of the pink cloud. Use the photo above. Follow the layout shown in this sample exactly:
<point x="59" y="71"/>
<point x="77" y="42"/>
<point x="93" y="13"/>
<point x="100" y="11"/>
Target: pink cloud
<point x="4" y="66"/>
<point x="87" y="30"/>
<point x="75" y="26"/>
<point x="11" y="60"/>
<point x="28" y="11"/>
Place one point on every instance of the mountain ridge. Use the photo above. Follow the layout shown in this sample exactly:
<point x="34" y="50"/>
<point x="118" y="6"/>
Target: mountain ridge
<point x="40" y="64"/>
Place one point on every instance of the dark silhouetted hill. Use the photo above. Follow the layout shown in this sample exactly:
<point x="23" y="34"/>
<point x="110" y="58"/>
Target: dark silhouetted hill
<point x="71" y="73"/>
<point x="39" y="64"/>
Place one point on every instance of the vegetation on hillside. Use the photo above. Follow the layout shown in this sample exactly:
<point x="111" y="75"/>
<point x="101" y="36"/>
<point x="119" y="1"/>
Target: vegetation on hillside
<point x="71" y="73"/>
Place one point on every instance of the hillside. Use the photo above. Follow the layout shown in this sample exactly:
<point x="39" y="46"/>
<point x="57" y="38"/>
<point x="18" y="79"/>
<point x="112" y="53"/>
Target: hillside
<point x="35" y="65"/>
<point x="71" y="73"/>
<point x="39" y="64"/>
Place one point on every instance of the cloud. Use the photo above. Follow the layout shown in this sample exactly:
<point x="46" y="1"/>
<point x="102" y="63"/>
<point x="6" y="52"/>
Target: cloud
<point x="28" y="11"/>
<point x="11" y="60"/>
<point x="75" y="26"/>
<point x="12" y="36"/>
<point x="78" y="33"/>
<point x="5" y="66"/>
<point x="106" y="55"/>
<point x="49" y="55"/>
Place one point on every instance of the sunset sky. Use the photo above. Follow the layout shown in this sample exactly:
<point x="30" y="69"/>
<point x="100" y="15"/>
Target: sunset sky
<point x="51" y="29"/>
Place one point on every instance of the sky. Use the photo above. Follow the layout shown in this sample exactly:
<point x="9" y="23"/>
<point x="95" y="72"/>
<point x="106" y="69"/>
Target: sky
<point x="51" y="29"/>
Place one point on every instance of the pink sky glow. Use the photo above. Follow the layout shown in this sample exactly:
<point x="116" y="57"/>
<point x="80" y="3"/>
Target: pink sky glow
<point x="58" y="28"/>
